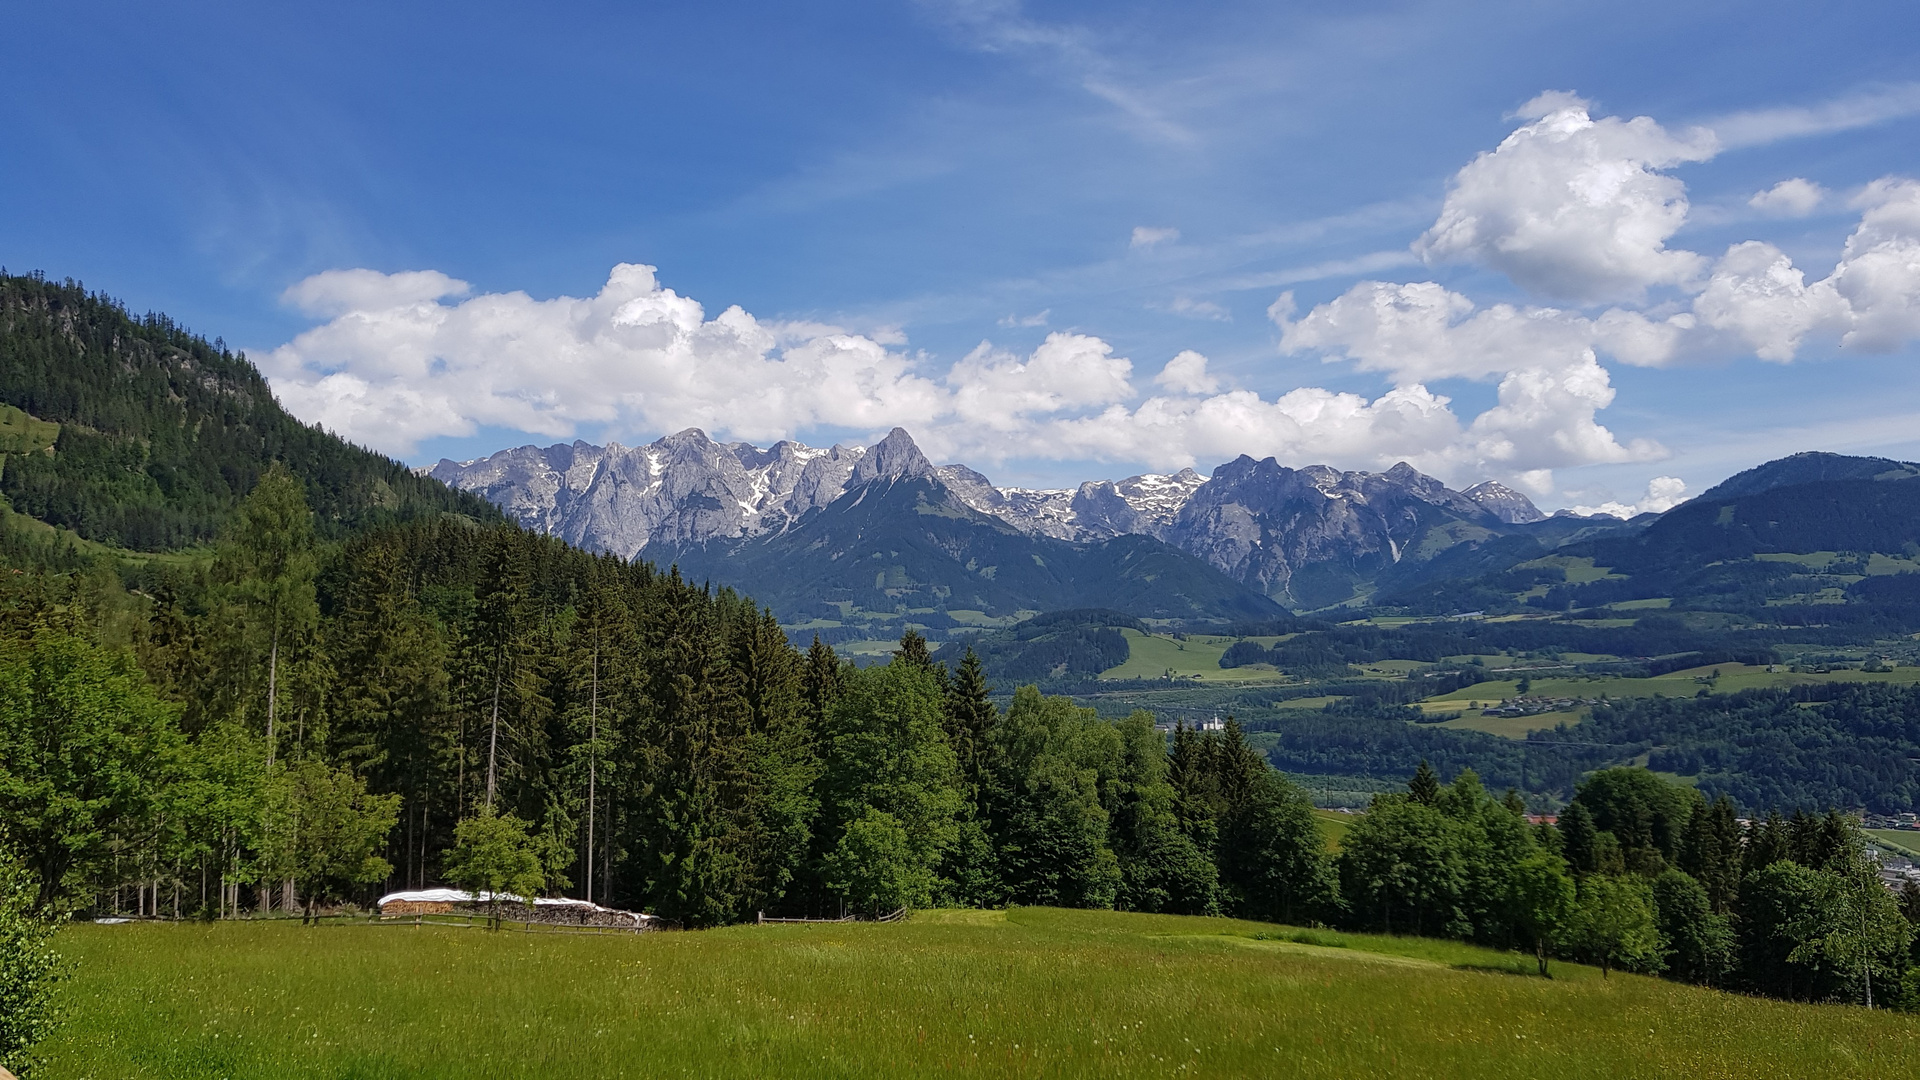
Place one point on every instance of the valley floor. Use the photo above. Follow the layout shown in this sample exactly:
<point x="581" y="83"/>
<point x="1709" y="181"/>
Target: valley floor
<point x="1031" y="992"/>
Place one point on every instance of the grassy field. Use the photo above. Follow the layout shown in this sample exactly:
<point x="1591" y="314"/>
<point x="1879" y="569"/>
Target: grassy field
<point x="1905" y="841"/>
<point x="1512" y="727"/>
<point x="22" y="433"/>
<point x="1733" y="677"/>
<point x="1151" y="656"/>
<point x="1333" y="826"/>
<point x="1031" y="993"/>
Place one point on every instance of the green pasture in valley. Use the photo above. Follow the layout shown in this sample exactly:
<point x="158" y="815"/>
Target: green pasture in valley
<point x="1027" y="993"/>
<point x="1687" y="683"/>
<point x="1512" y="727"/>
<point x="1905" y="841"/>
<point x="1333" y="826"/>
<point x="1152" y="656"/>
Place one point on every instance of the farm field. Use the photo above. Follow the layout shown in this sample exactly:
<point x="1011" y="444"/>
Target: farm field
<point x="1906" y="841"/>
<point x="1733" y="678"/>
<point x="1032" y="992"/>
<point x="1511" y="727"/>
<point x="1151" y="656"/>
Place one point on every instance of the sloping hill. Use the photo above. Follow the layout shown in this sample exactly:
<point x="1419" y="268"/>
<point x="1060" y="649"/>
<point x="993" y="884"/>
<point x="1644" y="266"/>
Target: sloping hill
<point x="1811" y="467"/>
<point x="160" y="432"/>
<point x="1801" y="530"/>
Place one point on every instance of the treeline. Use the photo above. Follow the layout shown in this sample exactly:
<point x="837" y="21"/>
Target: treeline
<point x="1642" y="875"/>
<point x="1803" y="748"/>
<point x="1362" y="737"/>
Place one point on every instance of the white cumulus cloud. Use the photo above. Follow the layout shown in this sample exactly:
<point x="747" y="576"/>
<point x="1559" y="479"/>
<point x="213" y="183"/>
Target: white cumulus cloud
<point x="410" y="357"/>
<point x="1187" y="374"/>
<point x="1663" y="494"/>
<point x="1757" y="295"/>
<point x="1067" y="371"/>
<point x="1879" y="272"/>
<point x="1797" y="197"/>
<point x="336" y="292"/>
<point x="399" y="367"/>
<point x="1572" y="207"/>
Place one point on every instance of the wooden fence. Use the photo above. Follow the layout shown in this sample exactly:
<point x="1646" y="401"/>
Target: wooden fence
<point x="892" y="916"/>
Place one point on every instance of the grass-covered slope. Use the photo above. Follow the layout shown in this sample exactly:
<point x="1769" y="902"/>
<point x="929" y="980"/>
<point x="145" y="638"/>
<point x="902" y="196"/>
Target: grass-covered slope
<point x="136" y="433"/>
<point x="1034" y="992"/>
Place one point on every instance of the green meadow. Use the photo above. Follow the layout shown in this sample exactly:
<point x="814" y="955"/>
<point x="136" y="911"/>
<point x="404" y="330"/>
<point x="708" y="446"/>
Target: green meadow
<point x="1718" y="678"/>
<point x="1027" y="993"/>
<point x="1904" y="841"/>
<point x="1333" y="826"/>
<point x="1152" y="656"/>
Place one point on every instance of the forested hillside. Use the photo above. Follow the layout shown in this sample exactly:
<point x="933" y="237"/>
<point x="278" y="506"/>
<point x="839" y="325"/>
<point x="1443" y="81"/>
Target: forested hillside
<point x="304" y="721"/>
<point x="161" y="432"/>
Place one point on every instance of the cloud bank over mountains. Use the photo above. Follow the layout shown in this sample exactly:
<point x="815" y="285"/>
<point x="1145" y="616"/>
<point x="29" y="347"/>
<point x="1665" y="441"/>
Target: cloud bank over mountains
<point x="1578" y="212"/>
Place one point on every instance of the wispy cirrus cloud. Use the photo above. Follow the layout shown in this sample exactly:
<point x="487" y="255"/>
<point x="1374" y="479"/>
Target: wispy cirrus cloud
<point x="1757" y="127"/>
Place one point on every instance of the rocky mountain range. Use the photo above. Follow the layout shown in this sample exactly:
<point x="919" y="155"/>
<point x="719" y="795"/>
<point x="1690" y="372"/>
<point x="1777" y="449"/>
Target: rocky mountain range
<point x="1304" y="537"/>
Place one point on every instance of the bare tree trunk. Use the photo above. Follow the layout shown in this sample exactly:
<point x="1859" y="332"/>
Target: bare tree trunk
<point x="593" y="760"/>
<point x="1866" y="962"/>
<point x="273" y="688"/>
<point x="493" y="735"/>
<point x="421" y="865"/>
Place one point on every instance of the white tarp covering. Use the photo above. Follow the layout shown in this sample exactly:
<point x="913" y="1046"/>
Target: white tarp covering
<point x="461" y="896"/>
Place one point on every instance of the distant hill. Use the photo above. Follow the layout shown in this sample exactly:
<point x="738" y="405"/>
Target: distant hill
<point x="1811" y="467"/>
<point x="137" y="433"/>
<point x="1812" y="529"/>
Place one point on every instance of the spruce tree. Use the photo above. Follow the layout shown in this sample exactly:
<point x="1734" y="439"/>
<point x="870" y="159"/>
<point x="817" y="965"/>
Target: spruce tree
<point x="913" y="650"/>
<point x="1424" y="788"/>
<point x="1190" y="774"/>
<point x="389" y="711"/>
<point x="1580" y="840"/>
<point x="970" y="722"/>
<point x="503" y="614"/>
<point x="820" y="682"/>
<point x="266" y="562"/>
<point x="1767" y="843"/>
<point x="781" y="758"/>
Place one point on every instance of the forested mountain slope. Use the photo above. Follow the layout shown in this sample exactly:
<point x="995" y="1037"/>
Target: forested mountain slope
<point x="161" y="432"/>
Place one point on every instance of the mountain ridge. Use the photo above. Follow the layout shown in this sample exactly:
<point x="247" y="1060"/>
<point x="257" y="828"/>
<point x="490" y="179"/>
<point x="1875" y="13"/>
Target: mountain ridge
<point x="1305" y="537"/>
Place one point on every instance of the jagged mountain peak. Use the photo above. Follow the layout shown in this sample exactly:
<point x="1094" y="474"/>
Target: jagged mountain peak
<point x="896" y="457"/>
<point x="1504" y="503"/>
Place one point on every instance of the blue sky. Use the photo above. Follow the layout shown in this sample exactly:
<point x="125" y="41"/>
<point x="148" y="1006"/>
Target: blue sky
<point x="886" y="186"/>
